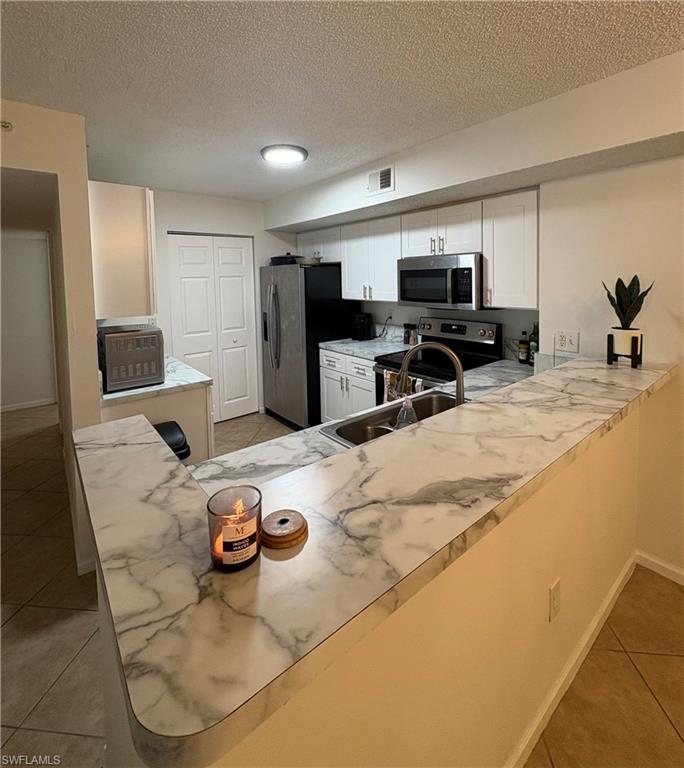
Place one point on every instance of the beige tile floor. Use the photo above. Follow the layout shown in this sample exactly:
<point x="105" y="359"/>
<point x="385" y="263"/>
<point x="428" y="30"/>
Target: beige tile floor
<point x="51" y="690"/>
<point x="625" y="708"/>
<point x="245" y="431"/>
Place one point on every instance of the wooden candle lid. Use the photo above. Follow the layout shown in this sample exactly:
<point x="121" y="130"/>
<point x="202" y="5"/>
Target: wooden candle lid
<point x="283" y="528"/>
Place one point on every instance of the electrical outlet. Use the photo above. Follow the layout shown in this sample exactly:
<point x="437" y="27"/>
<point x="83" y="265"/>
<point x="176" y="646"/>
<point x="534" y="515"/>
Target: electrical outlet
<point x="554" y="600"/>
<point x="567" y="341"/>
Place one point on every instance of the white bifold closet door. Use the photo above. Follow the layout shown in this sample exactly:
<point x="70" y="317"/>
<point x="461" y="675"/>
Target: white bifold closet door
<point x="213" y="316"/>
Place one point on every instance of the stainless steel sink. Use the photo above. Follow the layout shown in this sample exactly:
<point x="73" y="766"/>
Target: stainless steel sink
<point x="369" y="426"/>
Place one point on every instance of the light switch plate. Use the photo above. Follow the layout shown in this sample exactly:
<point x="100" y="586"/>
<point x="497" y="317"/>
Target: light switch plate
<point x="566" y="341"/>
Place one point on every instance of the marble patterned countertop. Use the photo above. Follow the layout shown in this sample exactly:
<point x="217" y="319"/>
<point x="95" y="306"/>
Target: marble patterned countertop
<point x="381" y="525"/>
<point x="179" y="376"/>
<point x="393" y="341"/>
<point x="259" y="463"/>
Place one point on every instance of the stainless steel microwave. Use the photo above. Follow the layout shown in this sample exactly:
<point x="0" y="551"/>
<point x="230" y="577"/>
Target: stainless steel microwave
<point x="443" y="282"/>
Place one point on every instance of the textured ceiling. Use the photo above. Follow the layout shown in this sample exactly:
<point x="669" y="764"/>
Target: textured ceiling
<point x="182" y="95"/>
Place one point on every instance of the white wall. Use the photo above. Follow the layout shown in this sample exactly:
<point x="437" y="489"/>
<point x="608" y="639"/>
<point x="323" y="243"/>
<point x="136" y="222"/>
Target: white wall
<point x="49" y="141"/>
<point x="608" y="225"/>
<point x="599" y="227"/>
<point x="572" y="133"/>
<point x="205" y="214"/>
<point x="28" y="357"/>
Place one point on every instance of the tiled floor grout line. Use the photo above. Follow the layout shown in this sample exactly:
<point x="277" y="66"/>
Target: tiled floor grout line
<point x="62" y="733"/>
<point x="54" y="682"/>
<point x="653" y="693"/>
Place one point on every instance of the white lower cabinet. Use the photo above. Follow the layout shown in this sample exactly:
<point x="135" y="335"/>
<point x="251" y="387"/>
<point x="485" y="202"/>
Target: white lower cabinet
<point x="333" y="396"/>
<point x="361" y="394"/>
<point x="347" y="386"/>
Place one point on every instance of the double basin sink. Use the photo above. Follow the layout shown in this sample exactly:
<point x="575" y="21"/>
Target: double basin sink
<point x="359" y="429"/>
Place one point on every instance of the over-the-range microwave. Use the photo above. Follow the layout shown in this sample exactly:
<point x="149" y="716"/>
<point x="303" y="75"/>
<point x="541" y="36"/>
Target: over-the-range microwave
<point x="444" y="282"/>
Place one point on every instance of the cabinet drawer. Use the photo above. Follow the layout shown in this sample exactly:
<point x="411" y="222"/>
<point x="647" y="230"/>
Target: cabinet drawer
<point x="360" y="367"/>
<point x="332" y="360"/>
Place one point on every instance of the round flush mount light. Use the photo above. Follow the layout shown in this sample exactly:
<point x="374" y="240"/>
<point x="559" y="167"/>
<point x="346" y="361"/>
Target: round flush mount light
<point x="284" y="154"/>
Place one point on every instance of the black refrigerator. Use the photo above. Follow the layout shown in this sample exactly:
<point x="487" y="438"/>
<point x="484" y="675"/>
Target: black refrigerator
<point x="301" y="306"/>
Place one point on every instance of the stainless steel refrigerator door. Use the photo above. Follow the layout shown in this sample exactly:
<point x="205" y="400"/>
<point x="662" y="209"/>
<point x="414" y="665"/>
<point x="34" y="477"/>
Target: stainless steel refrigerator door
<point x="288" y="343"/>
<point x="267" y="350"/>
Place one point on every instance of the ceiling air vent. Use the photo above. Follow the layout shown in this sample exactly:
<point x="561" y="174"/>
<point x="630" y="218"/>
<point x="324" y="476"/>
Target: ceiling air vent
<point x="381" y="180"/>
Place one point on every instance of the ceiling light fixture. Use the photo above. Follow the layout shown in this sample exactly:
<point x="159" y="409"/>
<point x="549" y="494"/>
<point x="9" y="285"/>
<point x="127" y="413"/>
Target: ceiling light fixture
<point x="284" y="154"/>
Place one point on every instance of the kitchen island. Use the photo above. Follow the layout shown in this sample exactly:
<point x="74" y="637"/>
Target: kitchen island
<point x="205" y="660"/>
<point x="184" y="396"/>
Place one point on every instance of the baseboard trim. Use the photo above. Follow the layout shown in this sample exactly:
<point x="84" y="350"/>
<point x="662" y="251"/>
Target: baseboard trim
<point x="86" y="566"/>
<point x="521" y="752"/>
<point x="662" y="567"/>
<point x="29" y="404"/>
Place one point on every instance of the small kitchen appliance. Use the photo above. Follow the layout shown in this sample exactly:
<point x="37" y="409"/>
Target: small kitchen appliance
<point x="442" y="282"/>
<point x="362" y="326"/>
<point x="475" y="343"/>
<point x="130" y="356"/>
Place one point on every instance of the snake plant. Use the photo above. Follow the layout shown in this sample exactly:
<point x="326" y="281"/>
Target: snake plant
<point x="627" y="301"/>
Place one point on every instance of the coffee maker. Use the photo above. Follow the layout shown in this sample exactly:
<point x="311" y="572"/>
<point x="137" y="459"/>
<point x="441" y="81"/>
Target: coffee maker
<point x="362" y="326"/>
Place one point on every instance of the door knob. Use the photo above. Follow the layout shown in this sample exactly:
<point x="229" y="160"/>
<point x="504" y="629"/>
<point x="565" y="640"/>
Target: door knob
<point x="234" y="340"/>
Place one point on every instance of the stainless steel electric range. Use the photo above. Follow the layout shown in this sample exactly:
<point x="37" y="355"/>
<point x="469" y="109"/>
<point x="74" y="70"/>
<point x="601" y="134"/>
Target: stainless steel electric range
<point x="476" y="344"/>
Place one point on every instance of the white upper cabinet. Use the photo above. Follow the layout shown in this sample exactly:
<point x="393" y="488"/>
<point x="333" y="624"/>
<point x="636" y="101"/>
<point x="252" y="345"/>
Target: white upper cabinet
<point x="384" y="250"/>
<point x="323" y="242"/>
<point x="510" y="251"/>
<point x="122" y="242"/>
<point x="370" y="251"/>
<point x="308" y="244"/>
<point x="355" y="261"/>
<point x="419" y="233"/>
<point x="330" y="244"/>
<point x="453" y="229"/>
<point x="459" y="228"/>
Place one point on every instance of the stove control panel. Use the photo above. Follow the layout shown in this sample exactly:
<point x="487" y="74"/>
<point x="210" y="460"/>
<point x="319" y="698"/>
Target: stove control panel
<point x="466" y="330"/>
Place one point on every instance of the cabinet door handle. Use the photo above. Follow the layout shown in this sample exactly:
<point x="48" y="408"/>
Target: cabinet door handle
<point x="364" y="292"/>
<point x="441" y="244"/>
<point x="370" y="291"/>
<point x="347" y="380"/>
<point x="432" y="245"/>
<point x="341" y="383"/>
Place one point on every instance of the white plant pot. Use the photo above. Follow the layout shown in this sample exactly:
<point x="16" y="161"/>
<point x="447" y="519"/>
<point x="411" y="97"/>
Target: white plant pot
<point x="622" y="340"/>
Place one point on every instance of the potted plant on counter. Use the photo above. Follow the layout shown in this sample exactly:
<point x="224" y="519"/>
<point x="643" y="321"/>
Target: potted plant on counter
<point x="627" y="303"/>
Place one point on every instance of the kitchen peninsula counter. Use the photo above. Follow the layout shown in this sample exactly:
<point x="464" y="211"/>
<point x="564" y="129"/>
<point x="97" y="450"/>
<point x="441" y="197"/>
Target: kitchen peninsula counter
<point x="266" y="461"/>
<point x="385" y="519"/>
